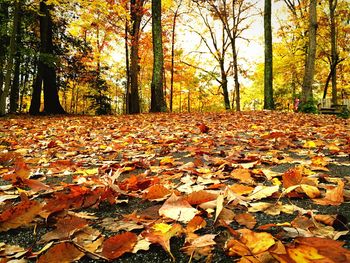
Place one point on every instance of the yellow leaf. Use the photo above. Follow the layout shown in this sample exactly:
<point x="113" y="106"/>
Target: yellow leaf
<point x="162" y="227"/>
<point x="309" y="144"/>
<point x="304" y="253"/>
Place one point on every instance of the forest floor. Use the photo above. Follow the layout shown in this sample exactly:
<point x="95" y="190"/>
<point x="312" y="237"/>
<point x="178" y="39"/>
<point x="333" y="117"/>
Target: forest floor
<point x="247" y="187"/>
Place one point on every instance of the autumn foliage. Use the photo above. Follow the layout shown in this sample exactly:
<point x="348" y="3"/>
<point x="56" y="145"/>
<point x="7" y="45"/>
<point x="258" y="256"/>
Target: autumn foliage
<point x="251" y="187"/>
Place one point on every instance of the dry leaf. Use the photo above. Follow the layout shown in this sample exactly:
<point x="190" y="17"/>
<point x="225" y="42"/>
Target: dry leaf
<point x="117" y="245"/>
<point x="246" y="219"/>
<point x="19" y="215"/>
<point x="177" y="209"/>
<point x="261" y="192"/>
<point x="61" y="253"/>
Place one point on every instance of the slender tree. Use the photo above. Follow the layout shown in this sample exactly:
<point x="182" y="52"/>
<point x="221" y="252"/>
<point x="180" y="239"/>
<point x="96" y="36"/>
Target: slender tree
<point x="136" y="11"/>
<point x="158" y="103"/>
<point x="334" y="52"/>
<point x="11" y="54"/>
<point x="268" y="70"/>
<point x="3" y="45"/>
<point x="176" y="14"/>
<point x="306" y="93"/>
<point x="14" y="94"/>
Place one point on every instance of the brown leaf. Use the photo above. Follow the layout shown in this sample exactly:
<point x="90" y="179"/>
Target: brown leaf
<point x="61" y="253"/>
<point x="292" y="177"/>
<point x="19" y="215"/>
<point x="243" y="175"/>
<point x="246" y="219"/>
<point x="117" y="245"/>
<point x="199" y="197"/>
<point x="156" y="192"/>
<point x="203" y="128"/>
<point x="334" y="195"/>
<point x="196" y="223"/>
<point x="65" y="227"/>
<point x="199" y="246"/>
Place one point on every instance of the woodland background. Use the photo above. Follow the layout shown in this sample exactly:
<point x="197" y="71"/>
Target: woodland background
<point x="96" y="57"/>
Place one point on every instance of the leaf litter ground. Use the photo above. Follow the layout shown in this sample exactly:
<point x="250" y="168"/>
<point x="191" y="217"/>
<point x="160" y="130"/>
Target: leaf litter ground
<point x="250" y="187"/>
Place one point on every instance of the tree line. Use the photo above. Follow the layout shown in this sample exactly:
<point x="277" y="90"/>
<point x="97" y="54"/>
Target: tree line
<point x="55" y="55"/>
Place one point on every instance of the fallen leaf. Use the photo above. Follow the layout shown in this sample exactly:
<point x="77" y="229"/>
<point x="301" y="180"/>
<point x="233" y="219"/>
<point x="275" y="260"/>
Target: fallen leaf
<point x="199" y="246"/>
<point x="334" y="195"/>
<point x="203" y="128"/>
<point x="261" y="192"/>
<point x="20" y="215"/>
<point x="117" y="245"/>
<point x="61" y="253"/>
<point x="177" y="209"/>
<point x="200" y="197"/>
<point x="256" y="242"/>
<point x="161" y="234"/>
<point x="156" y="192"/>
<point x="196" y="223"/>
<point x="246" y="219"/>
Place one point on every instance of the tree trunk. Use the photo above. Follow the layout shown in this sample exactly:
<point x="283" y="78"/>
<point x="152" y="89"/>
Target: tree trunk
<point x="51" y="99"/>
<point x="136" y="16"/>
<point x="334" y="53"/>
<point x="235" y="75"/>
<point x="3" y="42"/>
<point x="36" y="95"/>
<point x="157" y="97"/>
<point x="173" y="57"/>
<point x="14" y="95"/>
<point x="306" y="93"/>
<point x="9" y="67"/>
<point x="127" y="65"/>
<point x="224" y="85"/>
<point x="268" y="69"/>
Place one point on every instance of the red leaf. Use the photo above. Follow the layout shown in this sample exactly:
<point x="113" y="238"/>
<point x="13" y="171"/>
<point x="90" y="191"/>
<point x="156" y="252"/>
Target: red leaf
<point x="61" y="253"/>
<point x="203" y="128"/>
<point x="19" y="215"/>
<point x="116" y="246"/>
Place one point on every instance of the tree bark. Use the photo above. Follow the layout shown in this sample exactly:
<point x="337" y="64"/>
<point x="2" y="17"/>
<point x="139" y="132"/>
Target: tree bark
<point x="127" y="65"/>
<point x="3" y="42"/>
<point x="158" y="103"/>
<point x="9" y="67"/>
<point x="173" y="57"/>
<point x="306" y="93"/>
<point x="36" y="94"/>
<point x="235" y="75"/>
<point x="14" y="94"/>
<point x="52" y="104"/>
<point x="136" y="17"/>
<point x="268" y="69"/>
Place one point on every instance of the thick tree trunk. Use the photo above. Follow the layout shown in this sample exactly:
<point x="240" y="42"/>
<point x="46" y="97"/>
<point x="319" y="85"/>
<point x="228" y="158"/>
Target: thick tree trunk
<point x="306" y="93"/>
<point x="157" y="97"/>
<point x="334" y="53"/>
<point x="52" y="104"/>
<point x="36" y="94"/>
<point x="9" y="67"/>
<point x="136" y="16"/>
<point x="268" y="69"/>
